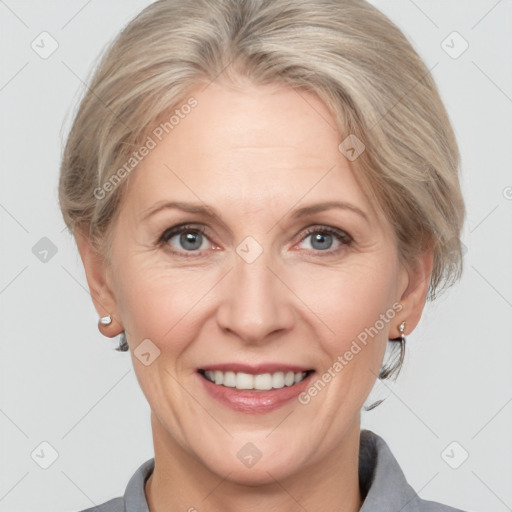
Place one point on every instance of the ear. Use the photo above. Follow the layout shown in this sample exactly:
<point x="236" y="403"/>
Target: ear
<point x="413" y="290"/>
<point x="97" y="271"/>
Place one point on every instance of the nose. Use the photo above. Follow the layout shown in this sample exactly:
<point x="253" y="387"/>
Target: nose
<point x="256" y="303"/>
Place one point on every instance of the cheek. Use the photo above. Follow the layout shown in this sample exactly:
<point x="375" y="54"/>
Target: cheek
<point x="160" y="303"/>
<point x="350" y="299"/>
<point x="354" y="306"/>
<point x="165" y="303"/>
<point x="143" y="308"/>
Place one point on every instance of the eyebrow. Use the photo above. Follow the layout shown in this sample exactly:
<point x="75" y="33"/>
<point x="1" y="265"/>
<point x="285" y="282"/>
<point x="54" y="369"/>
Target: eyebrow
<point x="209" y="211"/>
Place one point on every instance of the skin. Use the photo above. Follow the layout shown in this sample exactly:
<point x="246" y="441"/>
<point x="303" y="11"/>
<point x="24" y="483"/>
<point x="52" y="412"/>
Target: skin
<point x="255" y="154"/>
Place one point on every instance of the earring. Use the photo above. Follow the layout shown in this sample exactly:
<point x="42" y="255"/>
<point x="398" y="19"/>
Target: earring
<point x="106" y="320"/>
<point x="394" y="369"/>
<point x="400" y="338"/>
<point x="401" y="328"/>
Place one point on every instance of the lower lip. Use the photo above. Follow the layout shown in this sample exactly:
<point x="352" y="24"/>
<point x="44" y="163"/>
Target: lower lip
<point x="254" y="402"/>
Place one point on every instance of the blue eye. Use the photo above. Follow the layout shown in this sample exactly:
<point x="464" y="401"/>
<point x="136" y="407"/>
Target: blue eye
<point x="189" y="239"/>
<point x="192" y="240"/>
<point x="322" y="238"/>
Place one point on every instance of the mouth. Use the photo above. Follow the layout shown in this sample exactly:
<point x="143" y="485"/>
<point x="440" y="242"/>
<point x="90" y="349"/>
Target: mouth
<point x="254" y="382"/>
<point x="254" y="389"/>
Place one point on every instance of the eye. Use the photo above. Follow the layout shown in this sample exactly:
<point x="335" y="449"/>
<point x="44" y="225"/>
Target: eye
<point x="322" y="239"/>
<point x="185" y="238"/>
<point x="192" y="239"/>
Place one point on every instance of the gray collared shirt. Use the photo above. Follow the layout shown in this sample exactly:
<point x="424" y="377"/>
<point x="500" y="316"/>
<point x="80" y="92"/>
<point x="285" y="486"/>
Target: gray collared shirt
<point x="381" y="481"/>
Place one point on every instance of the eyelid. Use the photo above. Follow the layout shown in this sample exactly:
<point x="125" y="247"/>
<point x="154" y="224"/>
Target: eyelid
<point x="175" y="230"/>
<point x="313" y="228"/>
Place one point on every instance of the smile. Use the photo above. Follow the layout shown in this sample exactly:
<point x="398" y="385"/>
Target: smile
<point x="256" y="389"/>
<point x="258" y="382"/>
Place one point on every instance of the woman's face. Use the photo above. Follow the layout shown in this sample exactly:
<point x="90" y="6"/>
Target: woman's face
<point x="279" y="279"/>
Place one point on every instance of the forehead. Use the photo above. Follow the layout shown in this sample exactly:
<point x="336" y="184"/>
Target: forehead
<point x="247" y="146"/>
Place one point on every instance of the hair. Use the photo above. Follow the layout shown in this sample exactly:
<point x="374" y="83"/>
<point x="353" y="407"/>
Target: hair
<point x="346" y="52"/>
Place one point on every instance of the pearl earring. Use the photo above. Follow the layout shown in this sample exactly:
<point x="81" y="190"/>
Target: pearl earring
<point x="106" y="320"/>
<point x="401" y="328"/>
<point x="400" y="338"/>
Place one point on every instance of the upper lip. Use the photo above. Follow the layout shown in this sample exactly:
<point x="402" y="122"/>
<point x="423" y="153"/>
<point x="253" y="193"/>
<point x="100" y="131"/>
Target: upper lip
<point x="255" y="369"/>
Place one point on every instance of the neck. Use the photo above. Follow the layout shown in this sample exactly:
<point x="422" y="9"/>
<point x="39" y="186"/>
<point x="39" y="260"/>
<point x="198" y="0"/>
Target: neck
<point x="181" y="482"/>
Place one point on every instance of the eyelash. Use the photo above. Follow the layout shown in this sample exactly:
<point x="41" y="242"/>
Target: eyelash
<point x="341" y="236"/>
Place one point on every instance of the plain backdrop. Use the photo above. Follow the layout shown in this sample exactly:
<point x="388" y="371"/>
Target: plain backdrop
<point x="67" y="394"/>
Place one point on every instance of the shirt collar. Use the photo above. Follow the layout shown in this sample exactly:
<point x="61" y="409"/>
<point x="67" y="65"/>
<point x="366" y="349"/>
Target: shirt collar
<point x="382" y="482"/>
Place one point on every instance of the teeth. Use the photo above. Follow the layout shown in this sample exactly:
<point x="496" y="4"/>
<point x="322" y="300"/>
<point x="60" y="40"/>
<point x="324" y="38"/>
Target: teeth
<point x="229" y="380"/>
<point x="262" y="382"/>
<point x="289" y="379"/>
<point x="278" y="380"/>
<point x="244" y="381"/>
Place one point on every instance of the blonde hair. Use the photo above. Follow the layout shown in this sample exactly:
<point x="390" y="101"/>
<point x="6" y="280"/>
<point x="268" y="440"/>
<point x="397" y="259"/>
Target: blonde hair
<point x="345" y="51"/>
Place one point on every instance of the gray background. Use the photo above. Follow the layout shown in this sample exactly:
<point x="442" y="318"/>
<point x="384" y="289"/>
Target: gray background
<point x="61" y="381"/>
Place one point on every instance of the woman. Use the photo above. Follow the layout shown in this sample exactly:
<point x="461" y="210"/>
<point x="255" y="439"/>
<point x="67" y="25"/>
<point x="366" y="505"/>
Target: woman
<point x="263" y="194"/>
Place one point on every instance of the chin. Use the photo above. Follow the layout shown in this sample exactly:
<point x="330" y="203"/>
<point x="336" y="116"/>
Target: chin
<point x="245" y="464"/>
<point x="256" y="476"/>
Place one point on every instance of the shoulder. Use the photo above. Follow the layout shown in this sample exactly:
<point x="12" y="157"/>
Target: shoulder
<point x="113" y="505"/>
<point x="134" y="498"/>
<point x="383" y="484"/>
<point x="434" y="506"/>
